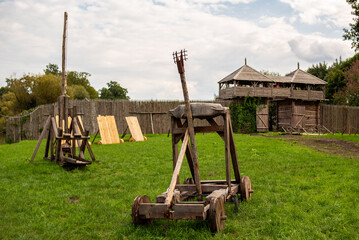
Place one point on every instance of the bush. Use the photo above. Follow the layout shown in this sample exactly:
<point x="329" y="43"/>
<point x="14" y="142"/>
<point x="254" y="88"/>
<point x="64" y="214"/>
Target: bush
<point x="244" y="115"/>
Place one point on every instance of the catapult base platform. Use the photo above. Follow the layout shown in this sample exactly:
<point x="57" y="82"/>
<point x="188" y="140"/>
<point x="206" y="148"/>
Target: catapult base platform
<point x="211" y="208"/>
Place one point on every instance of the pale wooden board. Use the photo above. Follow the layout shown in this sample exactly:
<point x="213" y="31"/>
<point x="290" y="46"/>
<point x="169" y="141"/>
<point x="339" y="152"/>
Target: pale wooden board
<point x="102" y="127"/>
<point x="69" y="119"/>
<point x="111" y="123"/>
<point x="135" y="128"/>
<point x="108" y="129"/>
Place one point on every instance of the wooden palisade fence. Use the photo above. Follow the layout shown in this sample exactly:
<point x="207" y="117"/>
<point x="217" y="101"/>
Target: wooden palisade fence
<point x="340" y="119"/>
<point x="28" y="126"/>
<point x="152" y="115"/>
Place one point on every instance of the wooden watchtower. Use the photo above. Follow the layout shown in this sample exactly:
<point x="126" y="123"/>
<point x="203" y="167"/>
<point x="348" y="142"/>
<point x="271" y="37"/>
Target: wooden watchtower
<point x="298" y="95"/>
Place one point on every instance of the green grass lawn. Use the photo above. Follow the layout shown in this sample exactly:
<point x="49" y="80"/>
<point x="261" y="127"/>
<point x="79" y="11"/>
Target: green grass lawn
<point x="299" y="193"/>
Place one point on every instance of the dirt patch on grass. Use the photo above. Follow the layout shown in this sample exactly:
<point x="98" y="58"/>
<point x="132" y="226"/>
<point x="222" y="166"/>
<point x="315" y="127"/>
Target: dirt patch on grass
<point x="332" y="146"/>
<point x="73" y="200"/>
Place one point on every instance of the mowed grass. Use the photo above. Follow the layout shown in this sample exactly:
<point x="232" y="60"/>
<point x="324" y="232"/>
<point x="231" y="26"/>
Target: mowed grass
<point x="299" y="193"/>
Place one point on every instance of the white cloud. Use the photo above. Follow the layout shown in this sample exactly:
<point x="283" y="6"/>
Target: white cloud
<point x="322" y="11"/>
<point x="132" y="42"/>
<point x="319" y="49"/>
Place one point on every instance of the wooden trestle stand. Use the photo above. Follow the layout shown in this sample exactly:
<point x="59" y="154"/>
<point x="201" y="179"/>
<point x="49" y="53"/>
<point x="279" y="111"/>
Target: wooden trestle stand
<point x="64" y="138"/>
<point x="174" y="204"/>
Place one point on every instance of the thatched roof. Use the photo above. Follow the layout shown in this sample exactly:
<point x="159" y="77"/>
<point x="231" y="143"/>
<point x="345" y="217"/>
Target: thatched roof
<point x="300" y="76"/>
<point x="246" y="73"/>
<point x="280" y="79"/>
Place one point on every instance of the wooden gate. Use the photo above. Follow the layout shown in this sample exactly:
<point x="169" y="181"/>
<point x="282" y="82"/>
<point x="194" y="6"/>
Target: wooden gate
<point x="298" y="117"/>
<point x="262" y="118"/>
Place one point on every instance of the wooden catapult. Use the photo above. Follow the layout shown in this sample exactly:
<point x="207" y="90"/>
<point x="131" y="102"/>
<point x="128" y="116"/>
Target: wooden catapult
<point x="174" y="203"/>
<point x="64" y="137"/>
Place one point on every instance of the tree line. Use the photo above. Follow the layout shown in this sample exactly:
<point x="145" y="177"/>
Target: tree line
<point x="27" y="92"/>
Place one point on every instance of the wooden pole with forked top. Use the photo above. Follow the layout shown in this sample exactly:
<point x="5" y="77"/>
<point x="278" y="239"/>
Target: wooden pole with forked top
<point x="179" y="58"/>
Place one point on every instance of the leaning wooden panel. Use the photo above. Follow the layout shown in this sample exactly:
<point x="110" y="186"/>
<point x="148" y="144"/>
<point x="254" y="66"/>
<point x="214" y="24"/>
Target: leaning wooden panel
<point x="111" y="123"/>
<point x="108" y="129"/>
<point x="135" y="128"/>
<point x="102" y="127"/>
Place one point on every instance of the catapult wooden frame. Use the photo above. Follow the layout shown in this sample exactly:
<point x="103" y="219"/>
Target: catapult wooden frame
<point x="63" y="139"/>
<point x="174" y="203"/>
<point x="65" y="145"/>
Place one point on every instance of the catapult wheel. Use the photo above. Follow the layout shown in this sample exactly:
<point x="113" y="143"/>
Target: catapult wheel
<point x="217" y="215"/>
<point x="135" y="210"/>
<point x="246" y="188"/>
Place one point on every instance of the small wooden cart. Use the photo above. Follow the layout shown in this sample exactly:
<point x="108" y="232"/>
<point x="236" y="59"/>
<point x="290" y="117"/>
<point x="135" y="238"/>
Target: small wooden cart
<point x="177" y="202"/>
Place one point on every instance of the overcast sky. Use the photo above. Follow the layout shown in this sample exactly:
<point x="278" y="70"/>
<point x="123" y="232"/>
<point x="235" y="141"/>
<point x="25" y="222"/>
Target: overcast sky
<point x="131" y="41"/>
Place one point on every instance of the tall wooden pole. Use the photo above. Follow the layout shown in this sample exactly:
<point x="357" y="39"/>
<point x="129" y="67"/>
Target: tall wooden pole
<point x="64" y="83"/>
<point x="63" y="100"/>
<point x="180" y="66"/>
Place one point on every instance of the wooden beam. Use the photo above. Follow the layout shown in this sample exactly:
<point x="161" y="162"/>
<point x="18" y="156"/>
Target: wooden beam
<point x="87" y="143"/>
<point x="189" y="211"/>
<point x="48" y="143"/>
<point x="202" y="129"/>
<point x="214" y="123"/>
<point x="206" y="188"/>
<point x="64" y="83"/>
<point x="234" y="155"/>
<point x="227" y="150"/>
<point x="153" y="210"/>
<point x="180" y="65"/>
<point x="43" y="134"/>
<point x="177" y="170"/>
<point x="174" y="144"/>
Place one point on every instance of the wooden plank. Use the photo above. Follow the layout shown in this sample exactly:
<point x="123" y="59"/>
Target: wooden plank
<point x="188" y="211"/>
<point x="152" y="210"/>
<point x="102" y="125"/>
<point x="201" y="129"/>
<point x="135" y="128"/>
<point x="111" y="123"/>
<point x="177" y="170"/>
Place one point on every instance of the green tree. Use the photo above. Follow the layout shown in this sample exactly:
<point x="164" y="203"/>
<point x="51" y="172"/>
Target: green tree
<point x="78" y="92"/>
<point x="46" y="88"/>
<point x="52" y="69"/>
<point x="74" y="78"/>
<point x="353" y="33"/>
<point x="336" y="81"/>
<point x="4" y="90"/>
<point x="349" y="95"/>
<point x="319" y="70"/>
<point x="81" y="78"/>
<point x="114" y="91"/>
<point x="21" y="87"/>
<point x="335" y="76"/>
